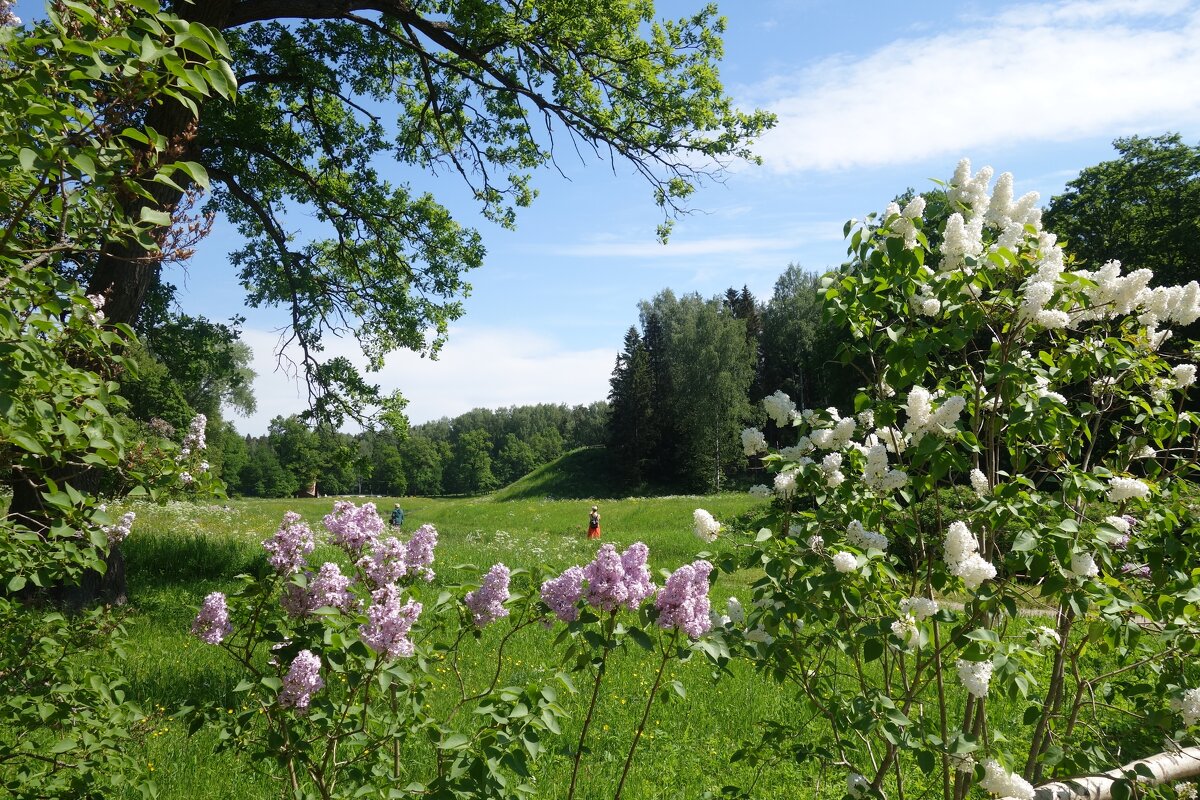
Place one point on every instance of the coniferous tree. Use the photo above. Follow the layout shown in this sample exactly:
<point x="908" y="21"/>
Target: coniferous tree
<point x="630" y="429"/>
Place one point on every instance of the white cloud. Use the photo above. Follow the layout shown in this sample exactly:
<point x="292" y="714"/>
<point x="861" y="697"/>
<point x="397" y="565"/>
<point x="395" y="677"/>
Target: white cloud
<point x="1044" y="72"/>
<point x="478" y="368"/>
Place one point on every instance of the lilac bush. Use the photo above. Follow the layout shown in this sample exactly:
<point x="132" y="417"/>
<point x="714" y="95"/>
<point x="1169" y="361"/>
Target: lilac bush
<point x="344" y="659"/>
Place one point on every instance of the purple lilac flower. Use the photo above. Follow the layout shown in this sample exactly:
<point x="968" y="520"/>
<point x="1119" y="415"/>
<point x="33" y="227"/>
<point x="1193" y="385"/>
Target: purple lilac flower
<point x="418" y="554"/>
<point x="6" y="15"/>
<point x="386" y="562"/>
<point x="487" y="602"/>
<point x="119" y="531"/>
<point x="331" y="588"/>
<point x="1135" y="570"/>
<point x="212" y="623"/>
<point x="606" y="580"/>
<point x="353" y="527"/>
<point x="683" y="601"/>
<point x="618" y="580"/>
<point x="302" y="681"/>
<point x="637" y="574"/>
<point x="295" y="600"/>
<point x="388" y="623"/>
<point x="1121" y="542"/>
<point x="290" y="544"/>
<point x="562" y="594"/>
<point x="194" y="440"/>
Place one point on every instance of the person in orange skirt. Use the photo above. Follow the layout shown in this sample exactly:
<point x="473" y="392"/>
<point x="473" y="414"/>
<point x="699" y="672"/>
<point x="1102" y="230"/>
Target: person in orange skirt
<point x="594" y="523"/>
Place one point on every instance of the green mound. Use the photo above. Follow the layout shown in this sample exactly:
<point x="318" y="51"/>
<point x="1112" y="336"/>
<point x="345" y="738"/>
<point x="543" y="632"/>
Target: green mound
<point x="581" y="474"/>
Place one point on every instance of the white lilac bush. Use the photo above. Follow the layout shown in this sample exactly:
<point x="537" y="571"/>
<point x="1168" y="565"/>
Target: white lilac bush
<point x="1023" y="442"/>
<point x="341" y="660"/>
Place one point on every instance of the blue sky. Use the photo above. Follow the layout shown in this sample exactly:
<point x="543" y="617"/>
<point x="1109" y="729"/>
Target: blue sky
<point x="872" y="98"/>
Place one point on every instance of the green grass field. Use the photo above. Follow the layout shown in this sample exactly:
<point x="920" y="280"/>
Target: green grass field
<point x="181" y="552"/>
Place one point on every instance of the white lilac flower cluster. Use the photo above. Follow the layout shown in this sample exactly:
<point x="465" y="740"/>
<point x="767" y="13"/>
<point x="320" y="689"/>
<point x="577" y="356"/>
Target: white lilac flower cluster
<point x="845" y="561"/>
<point x="779" y="408"/>
<point x="858" y="536"/>
<point x="975" y="677"/>
<point x="785" y="483"/>
<point x="1083" y="565"/>
<point x="753" y="441"/>
<point x="1108" y="293"/>
<point x="900" y="220"/>
<point x="1185" y="791"/>
<point x="905" y="629"/>
<point x="963" y="559"/>
<point x="979" y="483"/>
<point x="919" y="607"/>
<point x="831" y="432"/>
<point x="1002" y="783"/>
<point x="923" y="418"/>
<point x="97" y="300"/>
<point x="876" y="473"/>
<point x="1121" y="489"/>
<point x="705" y="526"/>
<point x="831" y="468"/>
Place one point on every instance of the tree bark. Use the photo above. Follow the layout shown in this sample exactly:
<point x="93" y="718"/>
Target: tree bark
<point x="1175" y="765"/>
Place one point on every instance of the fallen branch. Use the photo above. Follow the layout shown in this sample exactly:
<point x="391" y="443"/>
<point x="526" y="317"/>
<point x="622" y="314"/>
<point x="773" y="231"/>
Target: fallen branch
<point x="1175" y="765"/>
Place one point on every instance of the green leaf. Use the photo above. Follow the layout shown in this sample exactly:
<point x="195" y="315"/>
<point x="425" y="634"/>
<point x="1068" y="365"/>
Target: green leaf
<point x="155" y="217"/>
<point x="455" y="741"/>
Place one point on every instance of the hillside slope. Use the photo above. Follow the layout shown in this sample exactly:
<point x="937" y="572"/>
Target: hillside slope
<point x="585" y="473"/>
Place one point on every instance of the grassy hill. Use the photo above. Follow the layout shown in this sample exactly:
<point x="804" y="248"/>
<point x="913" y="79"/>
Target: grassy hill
<point x="581" y="474"/>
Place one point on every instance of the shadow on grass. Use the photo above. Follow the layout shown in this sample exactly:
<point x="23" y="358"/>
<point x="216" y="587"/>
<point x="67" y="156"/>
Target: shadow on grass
<point x="156" y="559"/>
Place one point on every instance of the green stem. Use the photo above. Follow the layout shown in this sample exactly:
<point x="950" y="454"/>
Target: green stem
<point x="587" y="721"/>
<point x="645" y="714"/>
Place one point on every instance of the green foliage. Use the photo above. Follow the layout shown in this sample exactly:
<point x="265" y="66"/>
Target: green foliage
<point x="470" y="468"/>
<point x="680" y="392"/>
<point x="69" y="93"/>
<point x="481" y="91"/>
<point x="1142" y="209"/>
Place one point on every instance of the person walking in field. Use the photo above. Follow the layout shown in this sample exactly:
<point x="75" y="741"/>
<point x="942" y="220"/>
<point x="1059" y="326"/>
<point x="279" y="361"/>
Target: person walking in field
<point x="397" y="518"/>
<point x="594" y="523"/>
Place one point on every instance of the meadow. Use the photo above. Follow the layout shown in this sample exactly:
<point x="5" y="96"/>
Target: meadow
<point x="180" y="552"/>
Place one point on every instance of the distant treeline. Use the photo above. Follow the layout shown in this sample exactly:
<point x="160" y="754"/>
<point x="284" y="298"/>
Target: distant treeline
<point x="475" y="452"/>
